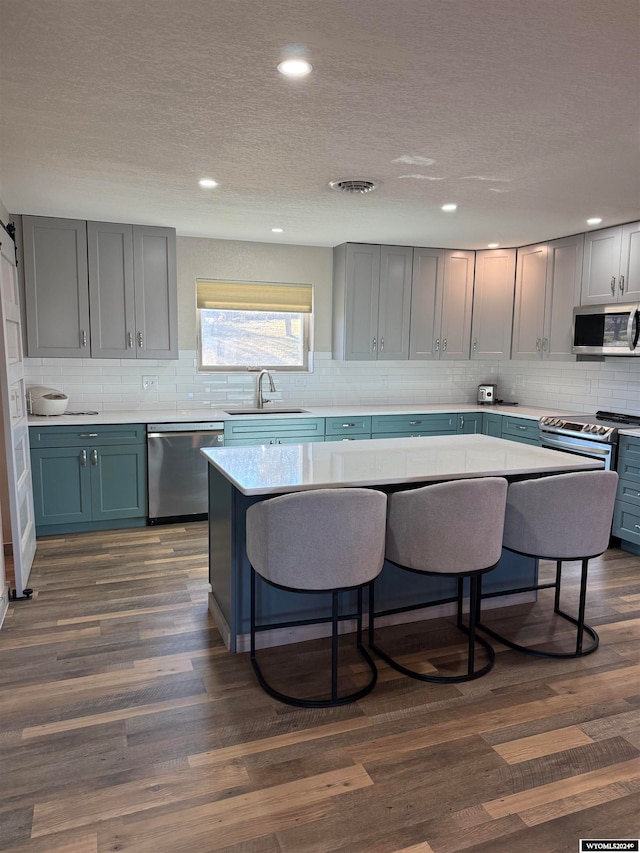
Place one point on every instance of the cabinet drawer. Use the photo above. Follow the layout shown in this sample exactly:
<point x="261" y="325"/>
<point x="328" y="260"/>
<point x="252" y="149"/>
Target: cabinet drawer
<point x="520" y="428"/>
<point x="347" y="426"/>
<point x="629" y="492"/>
<point x="414" y="424"/>
<point x="626" y="522"/>
<point x="355" y="437"/>
<point x="271" y="439"/>
<point x="273" y="428"/>
<point x="628" y="466"/>
<point x="84" y="435"/>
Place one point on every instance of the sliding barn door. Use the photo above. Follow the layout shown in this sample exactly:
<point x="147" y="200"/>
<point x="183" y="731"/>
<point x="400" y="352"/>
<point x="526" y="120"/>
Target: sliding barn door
<point x="14" y="419"/>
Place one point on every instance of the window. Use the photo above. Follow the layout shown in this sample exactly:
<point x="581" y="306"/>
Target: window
<point x="243" y="324"/>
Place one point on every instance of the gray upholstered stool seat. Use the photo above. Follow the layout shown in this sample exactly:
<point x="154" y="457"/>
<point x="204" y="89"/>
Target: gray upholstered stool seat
<point x="561" y="517"/>
<point x="326" y="540"/>
<point x="452" y="529"/>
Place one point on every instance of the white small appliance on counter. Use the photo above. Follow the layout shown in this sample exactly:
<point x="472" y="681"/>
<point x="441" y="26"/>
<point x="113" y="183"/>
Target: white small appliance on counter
<point x="46" y="401"/>
<point x="487" y="393"/>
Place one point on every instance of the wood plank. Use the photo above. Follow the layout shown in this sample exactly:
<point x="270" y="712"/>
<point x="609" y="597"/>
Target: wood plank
<point x="546" y="743"/>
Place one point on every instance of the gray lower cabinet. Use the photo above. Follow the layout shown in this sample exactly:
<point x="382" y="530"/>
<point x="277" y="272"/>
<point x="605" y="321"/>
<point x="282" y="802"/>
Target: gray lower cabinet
<point x="371" y="301"/>
<point x="102" y="289"/>
<point x="89" y="478"/>
<point x="626" y="513"/>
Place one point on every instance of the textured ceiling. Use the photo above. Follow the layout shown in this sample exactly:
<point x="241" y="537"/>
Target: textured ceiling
<point x="524" y="112"/>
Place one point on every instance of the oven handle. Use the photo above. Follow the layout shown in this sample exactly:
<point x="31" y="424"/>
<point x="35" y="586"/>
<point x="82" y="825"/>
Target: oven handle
<point x="632" y="340"/>
<point x="582" y="449"/>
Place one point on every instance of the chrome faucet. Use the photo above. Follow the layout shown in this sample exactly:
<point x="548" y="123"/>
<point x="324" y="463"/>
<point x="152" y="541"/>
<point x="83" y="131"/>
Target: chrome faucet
<point x="260" y="400"/>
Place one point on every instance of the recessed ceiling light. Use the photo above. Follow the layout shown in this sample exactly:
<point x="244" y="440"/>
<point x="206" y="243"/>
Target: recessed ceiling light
<point x="493" y="245"/>
<point x="449" y="208"/>
<point x="207" y="183"/>
<point x="595" y="220"/>
<point x="294" y="67"/>
<point x="357" y="186"/>
<point x="277" y="230"/>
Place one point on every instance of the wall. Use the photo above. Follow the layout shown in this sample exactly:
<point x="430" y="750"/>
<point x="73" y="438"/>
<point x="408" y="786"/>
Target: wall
<point x="4" y="213"/>
<point x="111" y="385"/>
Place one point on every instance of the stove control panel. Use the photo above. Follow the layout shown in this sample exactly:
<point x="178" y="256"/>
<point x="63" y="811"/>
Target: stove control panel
<point x="596" y="432"/>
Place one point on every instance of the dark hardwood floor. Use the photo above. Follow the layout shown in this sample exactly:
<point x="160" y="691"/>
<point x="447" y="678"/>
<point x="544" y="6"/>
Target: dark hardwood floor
<point x="125" y="725"/>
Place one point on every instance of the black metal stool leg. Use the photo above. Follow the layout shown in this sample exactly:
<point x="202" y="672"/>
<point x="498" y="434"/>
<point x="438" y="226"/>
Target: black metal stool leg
<point x="556" y="598"/>
<point x="334" y="646"/>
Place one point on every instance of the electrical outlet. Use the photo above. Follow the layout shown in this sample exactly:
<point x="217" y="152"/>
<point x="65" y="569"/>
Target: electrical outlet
<point x="519" y="381"/>
<point x="149" y="383"/>
<point x="587" y="386"/>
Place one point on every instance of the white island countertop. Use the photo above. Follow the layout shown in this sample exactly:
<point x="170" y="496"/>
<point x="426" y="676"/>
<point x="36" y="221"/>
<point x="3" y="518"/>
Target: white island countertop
<point x="280" y="468"/>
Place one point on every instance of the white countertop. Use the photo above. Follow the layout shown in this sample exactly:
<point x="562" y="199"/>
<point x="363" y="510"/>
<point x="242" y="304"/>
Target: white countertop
<point x="274" y="469"/>
<point x="129" y="416"/>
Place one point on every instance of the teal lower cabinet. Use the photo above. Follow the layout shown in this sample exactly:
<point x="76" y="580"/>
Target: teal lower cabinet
<point x="264" y="430"/>
<point x="626" y="513"/>
<point x="524" y="430"/>
<point x="89" y="486"/>
<point x="492" y="424"/>
<point x="404" y="426"/>
<point x="345" y="429"/>
<point x="469" y="424"/>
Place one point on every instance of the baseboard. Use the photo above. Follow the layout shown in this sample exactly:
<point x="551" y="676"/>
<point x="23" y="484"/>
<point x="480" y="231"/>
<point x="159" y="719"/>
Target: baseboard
<point x="4" y="603"/>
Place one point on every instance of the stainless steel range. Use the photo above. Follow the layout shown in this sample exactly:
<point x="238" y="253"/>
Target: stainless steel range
<point x="595" y="436"/>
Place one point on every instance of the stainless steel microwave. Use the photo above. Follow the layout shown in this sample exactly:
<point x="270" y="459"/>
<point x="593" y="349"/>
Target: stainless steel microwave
<point x="606" y="329"/>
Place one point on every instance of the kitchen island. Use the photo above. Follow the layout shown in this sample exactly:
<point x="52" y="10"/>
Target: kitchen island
<point x="240" y="476"/>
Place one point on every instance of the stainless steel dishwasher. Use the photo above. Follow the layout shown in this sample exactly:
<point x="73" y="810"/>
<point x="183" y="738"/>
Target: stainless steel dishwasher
<point x="177" y="471"/>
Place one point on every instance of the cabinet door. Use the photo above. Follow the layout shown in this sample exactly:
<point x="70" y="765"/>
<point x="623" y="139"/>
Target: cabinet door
<point x="564" y="275"/>
<point x="394" y="302"/>
<point x="118" y="482"/>
<point x="492" y="424"/>
<point x="601" y="266"/>
<point x="426" y="303"/>
<point x="493" y="304"/>
<point x="470" y="424"/>
<point x="361" y="302"/>
<point x="528" y="310"/>
<point x="156" y="299"/>
<point x="56" y="287"/>
<point x="61" y="485"/>
<point x="110" y="255"/>
<point x="629" y="280"/>
<point x="457" y="303"/>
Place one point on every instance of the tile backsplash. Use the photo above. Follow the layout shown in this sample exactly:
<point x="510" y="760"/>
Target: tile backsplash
<point x="117" y="384"/>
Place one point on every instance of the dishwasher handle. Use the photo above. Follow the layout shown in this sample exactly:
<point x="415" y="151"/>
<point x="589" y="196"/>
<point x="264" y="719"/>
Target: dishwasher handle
<point x="218" y="435"/>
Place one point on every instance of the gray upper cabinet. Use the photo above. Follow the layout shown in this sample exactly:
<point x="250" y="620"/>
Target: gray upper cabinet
<point x="156" y="292"/>
<point x="100" y="288"/>
<point x="611" y="268"/>
<point x="371" y="302"/>
<point x="56" y="293"/>
<point x="547" y="288"/>
<point x="113" y="321"/>
<point x="493" y="304"/>
<point x="442" y="296"/>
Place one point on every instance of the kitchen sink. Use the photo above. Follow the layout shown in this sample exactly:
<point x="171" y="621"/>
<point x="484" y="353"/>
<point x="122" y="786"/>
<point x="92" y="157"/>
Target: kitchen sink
<point x="269" y="411"/>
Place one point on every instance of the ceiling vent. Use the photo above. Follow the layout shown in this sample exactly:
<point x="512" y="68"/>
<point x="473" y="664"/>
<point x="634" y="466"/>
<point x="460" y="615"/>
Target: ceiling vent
<point x="354" y="185"/>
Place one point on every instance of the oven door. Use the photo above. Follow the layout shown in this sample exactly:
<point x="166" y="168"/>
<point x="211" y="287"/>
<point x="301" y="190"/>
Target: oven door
<point x="580" y="447"/>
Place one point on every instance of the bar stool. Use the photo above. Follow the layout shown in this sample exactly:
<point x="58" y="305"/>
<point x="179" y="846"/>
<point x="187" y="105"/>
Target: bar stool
<point x="325" y="540"/>
<point x="449" y="529"/>
<point x="561" y="517"/>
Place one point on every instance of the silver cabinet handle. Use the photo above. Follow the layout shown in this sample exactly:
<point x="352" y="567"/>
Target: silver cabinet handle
<point x="83" y="457"/>
<point x="140" y="340"/>
<point x="87" y="435"/>
<point x="461" y="421"/>
<point x="83" y="335"/>
<point x="444" y="345"/>
<point x="375" y="344"/>
<point x="519" y="426"/>
<point x="347" y="426"/>
<point x="475" y="344"/>
<point x="94" y="457"/>
<point x="437" y="344"/>
<point x="613" y="284"/>
<point x="414" y="423"/>
<point x="621" y="284"/>
<point x="631" y="338"/>
<point x="381" y="344"/>
<point x="129" y="340"/>
<point x="538" y="342"/>
<point x="637" y="526"/>
<point x="544" y="344"/>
